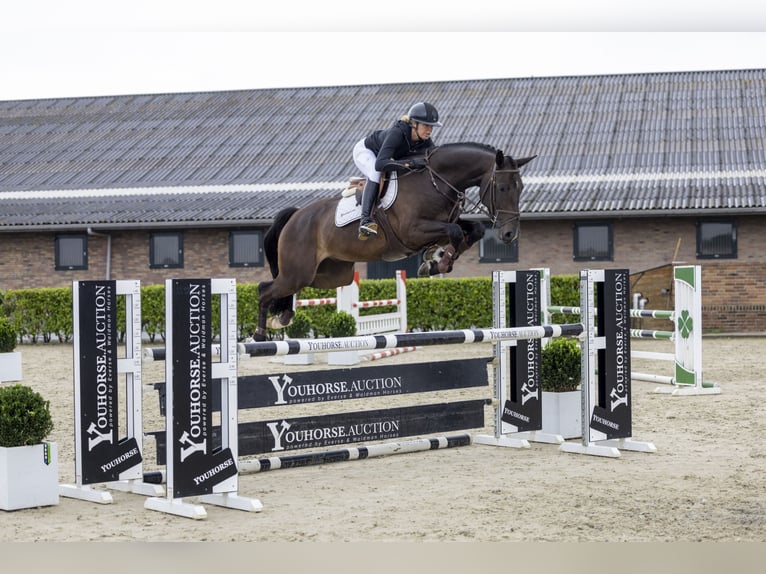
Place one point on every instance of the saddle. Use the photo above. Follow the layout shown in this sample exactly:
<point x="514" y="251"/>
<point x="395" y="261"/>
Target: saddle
<point x="355" y="187"/>
<point x="350" y="205"/>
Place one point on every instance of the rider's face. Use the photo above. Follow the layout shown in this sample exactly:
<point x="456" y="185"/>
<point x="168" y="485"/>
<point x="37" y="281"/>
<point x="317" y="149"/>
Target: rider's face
<point x="421" y="132"/>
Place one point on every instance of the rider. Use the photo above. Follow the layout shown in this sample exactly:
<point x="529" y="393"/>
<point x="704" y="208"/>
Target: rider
<point x="378" y="152"/>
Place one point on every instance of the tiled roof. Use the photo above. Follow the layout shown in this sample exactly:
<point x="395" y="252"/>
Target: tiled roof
<point x="667" y="143"/>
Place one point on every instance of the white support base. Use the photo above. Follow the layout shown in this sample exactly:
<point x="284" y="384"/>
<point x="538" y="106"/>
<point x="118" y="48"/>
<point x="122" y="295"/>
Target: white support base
<point x="608" y="448"/>
<point x="234" y="501"/>
<point x="688" y="390"/>
<point x="85" y="493"/>
<point x="505" y="441"/>
<point x="137" y="487"/>
<point x="176" y="506"/>
<point x="540" y="436"/>
<point x="591" y="449"/>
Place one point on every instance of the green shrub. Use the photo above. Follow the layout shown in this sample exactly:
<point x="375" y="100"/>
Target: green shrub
<point x="342" y="324"/>
<point x="8" y="336"/>
<point x="25" y="416"/>
<point x="561" y="365"/>
<point x="300" y="326"/>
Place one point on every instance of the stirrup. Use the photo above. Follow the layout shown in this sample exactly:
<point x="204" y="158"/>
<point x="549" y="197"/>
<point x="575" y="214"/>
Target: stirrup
<point x="367" y="229"/>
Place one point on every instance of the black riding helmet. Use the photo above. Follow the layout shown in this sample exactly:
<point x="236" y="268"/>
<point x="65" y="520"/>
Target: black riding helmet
<point x="425" y="113"/>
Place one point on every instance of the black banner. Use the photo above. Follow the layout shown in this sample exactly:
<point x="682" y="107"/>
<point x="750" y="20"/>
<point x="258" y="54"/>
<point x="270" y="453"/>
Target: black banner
<point x="523" y="409"/>
<point x="103" y="456"/>
<point x="197" y="465"/>
<point x="256" y="391"/>
<point x="322" y="431"/>
<point x="612" y="413"/>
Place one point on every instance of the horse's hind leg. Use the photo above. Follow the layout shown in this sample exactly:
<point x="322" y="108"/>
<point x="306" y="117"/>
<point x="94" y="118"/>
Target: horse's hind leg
<point x="282" y="313"/>
<point x="263" y="310"/>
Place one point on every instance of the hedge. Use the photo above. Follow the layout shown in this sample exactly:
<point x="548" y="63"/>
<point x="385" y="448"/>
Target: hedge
<point x="432" y="305"/>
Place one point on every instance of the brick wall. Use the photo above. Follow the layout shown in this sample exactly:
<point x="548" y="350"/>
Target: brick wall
<point x="28" y="260"/>
<point x="734" y="297"/>
<point x="734" y="292"/>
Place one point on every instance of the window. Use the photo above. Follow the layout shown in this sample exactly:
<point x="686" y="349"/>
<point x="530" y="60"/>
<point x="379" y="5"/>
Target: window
<point x="593" y="242"/>
<point x="493" y="251"/>
<point x="716" y="240"/>
<point x="245" y="249"/>
<point x="71" y="252"/>
<point x="166" y="250"/>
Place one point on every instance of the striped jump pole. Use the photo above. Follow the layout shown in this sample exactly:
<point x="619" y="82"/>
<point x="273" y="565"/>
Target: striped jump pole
<point x="353" y="453"/>
<point x="263" y="464"/>
<point x="431" y="338"/>
<point x="636" y="313"/>
<point x="388" y="353"/>
<point x="158" y="353"/>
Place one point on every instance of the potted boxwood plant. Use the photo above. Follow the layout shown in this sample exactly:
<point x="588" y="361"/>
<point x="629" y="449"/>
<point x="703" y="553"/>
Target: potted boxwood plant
<point x="561" y="376"/>
<point x="299" y="328"/>
<point x="10" y="360"/>
<point x="28" y="464"/>
<point x="342" y="324"/>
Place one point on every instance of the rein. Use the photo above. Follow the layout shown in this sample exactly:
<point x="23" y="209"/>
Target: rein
<point x="492" y="212"/>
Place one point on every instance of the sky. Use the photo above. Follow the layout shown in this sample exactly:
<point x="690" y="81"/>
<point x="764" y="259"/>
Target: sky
<point x="81" y="48"/>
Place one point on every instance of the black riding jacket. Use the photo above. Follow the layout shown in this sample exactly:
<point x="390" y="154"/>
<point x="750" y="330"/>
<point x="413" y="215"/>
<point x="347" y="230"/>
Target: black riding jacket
<point x="394" y="143"/>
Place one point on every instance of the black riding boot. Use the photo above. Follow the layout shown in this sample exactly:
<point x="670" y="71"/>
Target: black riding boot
<point x="367" y="226"/>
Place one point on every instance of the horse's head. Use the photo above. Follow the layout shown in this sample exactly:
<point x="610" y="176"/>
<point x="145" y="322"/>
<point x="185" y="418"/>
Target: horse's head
<point x="501" y="195"/>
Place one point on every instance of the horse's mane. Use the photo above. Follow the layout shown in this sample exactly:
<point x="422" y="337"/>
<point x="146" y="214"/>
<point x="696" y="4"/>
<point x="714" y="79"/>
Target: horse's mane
<point x="478" y="145"/>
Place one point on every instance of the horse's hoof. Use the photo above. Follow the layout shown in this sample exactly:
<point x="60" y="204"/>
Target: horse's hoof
<point x="448" y="256"/>
<point x="428" y="268"/>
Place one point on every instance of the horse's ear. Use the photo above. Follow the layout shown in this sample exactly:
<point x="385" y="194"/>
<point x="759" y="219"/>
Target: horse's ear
<point x="499" y="157"/>
<point x="524" y="160"/>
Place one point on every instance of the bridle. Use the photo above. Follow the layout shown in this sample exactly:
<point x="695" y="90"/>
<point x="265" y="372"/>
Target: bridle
<point x="512" y="215"/>
<point x="488" y="208"/>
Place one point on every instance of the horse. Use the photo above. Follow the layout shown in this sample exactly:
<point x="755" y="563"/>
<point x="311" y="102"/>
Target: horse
<point x="304" y="247"/>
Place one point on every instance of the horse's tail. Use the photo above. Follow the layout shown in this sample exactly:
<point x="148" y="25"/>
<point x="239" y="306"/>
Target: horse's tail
<point x="271" y="239"/>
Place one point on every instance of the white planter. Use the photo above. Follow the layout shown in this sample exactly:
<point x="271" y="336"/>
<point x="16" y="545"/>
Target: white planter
<point x="29" y="476"/>
<point x="10" y="366"/>
<point x="562" y="414"/>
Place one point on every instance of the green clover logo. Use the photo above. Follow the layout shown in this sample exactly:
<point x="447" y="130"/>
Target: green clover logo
<point x="685" y="324"/>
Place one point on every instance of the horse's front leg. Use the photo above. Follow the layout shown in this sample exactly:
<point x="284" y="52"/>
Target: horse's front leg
<point x="452" y="249"/>
<point x="440" y="257"/>
<point x="473" y="231"/>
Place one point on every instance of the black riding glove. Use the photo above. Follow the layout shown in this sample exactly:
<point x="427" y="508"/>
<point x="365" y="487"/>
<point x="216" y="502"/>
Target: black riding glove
<point x="407" y="165"/>
<point x="418" y="163"/>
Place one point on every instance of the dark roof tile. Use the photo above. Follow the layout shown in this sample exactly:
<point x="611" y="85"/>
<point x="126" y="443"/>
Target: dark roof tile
<point x="624" y="143"/>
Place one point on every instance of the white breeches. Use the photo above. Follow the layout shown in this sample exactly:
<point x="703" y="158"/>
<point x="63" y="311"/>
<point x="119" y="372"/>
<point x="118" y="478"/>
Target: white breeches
<point x="364" y="159"/>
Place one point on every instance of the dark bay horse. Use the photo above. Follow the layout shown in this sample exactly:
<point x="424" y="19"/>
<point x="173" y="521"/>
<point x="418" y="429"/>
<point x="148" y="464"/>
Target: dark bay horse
<point x="305" y="248"/>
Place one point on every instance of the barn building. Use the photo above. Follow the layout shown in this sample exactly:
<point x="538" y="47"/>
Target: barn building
<point x="635" y="170"/>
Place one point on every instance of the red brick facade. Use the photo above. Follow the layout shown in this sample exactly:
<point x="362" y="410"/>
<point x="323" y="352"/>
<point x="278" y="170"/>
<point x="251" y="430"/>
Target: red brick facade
<point x="734" y="290"/>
